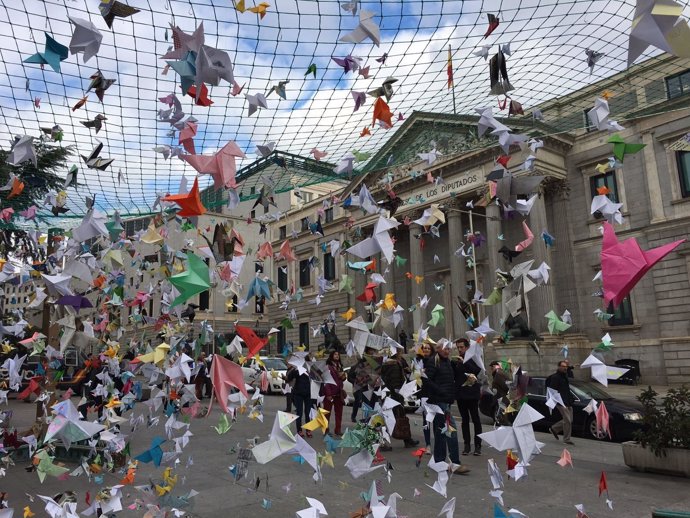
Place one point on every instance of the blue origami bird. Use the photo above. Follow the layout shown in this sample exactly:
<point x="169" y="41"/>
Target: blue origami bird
<point x="52" y="55"/>
<point x="154" y="453"/>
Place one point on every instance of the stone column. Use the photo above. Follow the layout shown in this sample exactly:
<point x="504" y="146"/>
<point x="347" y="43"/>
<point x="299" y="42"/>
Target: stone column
<point x="386" y="325"/>
<point x="656" y="203"/>
<point x="458" y="270"/>
<point x="416" y="263"/>
<point x="494" y="227"/>
<point x="541" y="298"/>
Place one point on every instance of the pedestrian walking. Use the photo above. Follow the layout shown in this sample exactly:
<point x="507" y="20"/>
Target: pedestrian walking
<point x="333" y="399"/>
<point x="558" y="381"/>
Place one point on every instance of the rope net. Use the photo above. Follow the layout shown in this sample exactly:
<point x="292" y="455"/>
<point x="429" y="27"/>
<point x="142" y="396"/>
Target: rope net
<point x="544" y="44"/>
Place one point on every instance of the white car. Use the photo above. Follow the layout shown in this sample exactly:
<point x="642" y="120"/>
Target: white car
<point x="276" y="367"/>
<point x="411" y="403"/>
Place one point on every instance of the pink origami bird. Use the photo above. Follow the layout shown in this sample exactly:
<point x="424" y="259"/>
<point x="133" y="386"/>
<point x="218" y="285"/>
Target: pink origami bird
<point x="236" y="89"/>
<point x="225" y="374"/>
<point x="265" y="251"/>
<point x="529" y="237"/>
<point x="6" y="214"/>
<point x="221" y="166"/>
<point x="602" y="417"/>
<point x="226" y="272"/>
<point x="286" y="252"/>
<point x="318" y="155"/>
<point x="29" y="213"/>
<point x="565" y="459"/>
<point x="187" y="137"/>
<point x="624" y="263"/>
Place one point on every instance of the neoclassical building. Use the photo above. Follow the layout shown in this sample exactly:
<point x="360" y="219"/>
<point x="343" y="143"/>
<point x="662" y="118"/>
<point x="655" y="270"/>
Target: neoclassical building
<point x="651" y="100"/>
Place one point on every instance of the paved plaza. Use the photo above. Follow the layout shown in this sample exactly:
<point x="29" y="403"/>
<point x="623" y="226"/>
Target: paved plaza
<point x="547" y="491"/>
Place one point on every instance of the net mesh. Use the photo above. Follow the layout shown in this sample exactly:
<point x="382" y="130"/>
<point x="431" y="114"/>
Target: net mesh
<point x="547" y="60"/>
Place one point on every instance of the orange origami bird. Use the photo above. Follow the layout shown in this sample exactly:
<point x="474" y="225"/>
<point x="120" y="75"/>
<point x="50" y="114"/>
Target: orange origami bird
<point x="203" y="99"/>
<point x="382" y="112"/>
<point x="17" y="188"/>
<point x="190" y="203"/>
<point x="603" y="190"/>
<point x="260" y="9"/>
<point x="365" y="132"/>
<point x="81" y="102"/>
<point x="128" y="479"/>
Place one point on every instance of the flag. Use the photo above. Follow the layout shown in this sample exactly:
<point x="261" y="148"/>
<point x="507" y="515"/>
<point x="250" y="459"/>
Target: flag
<point x="450" y="69"/>
<point x="603" y="486"/>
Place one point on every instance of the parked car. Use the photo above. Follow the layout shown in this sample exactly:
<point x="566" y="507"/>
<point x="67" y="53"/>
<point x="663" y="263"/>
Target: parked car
<point x="411" y="403"/>
<point x="252" y="370"/>
<point x="624" y="417"/>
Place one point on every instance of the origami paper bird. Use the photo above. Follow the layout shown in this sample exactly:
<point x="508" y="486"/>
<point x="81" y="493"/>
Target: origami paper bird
<point x="529" y="238"/>
<point x="258" y="288"/>
<point x="94" y="161"/>
<point x="382" y="113"/>
<point x="601" y="372"/>
<point x="190" y="203"/>
<point x="318" y="155"/>
<point x="437" y="316"/>
<point x="498" y="75"/>
<point x="111" y="9"/>
<point x="221" y="166"/>
<point x="602" y="420"/>
<point x="346" y="284"/>
<point x="200" y="95"/>
<point x="256" y="102"/>
<point x="621" y="148"/>
<point x="592" y="58"/>
<point x="226" y="374"/>
<point x="555" y="324"/>
<point x="52" y="54"/>
<point x="22" y="150"/>
<point x="367" y="29"/>
<point x="187" y="135"/>
<point x="311" y="70"/>
<point x="279" y="89"/>
<point x="493" y="24"/>
<point x="599" y="116"/>
<point x="96" y="123"/>
<point x="624" y="263"/>
<point x="44" y="466"/>
<point x="100" y="84"/>
<point x="369" y="295"/>
<point x="86" y="38"/>
<point x="565" y="459"/>
<point x="320" y="421"/>
<point x="154" y="453"/>
<point x="659" y="24"/>
<point x="519" y="437"/>
<point x="349" y="314"/>
<point x="349" y="63"/>
<point x="192" y="281"/>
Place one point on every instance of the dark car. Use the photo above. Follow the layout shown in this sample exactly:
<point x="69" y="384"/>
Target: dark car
<point x="624" y="417"/>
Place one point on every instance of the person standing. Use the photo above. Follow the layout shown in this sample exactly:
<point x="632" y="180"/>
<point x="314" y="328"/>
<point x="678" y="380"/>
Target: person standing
<point x="394" y="375"/>
<point x="468" y="392"/>
<point x="440" y="389"/>
<point x="357" y="376"/>
<point x="202" y="380"/>
<point x="402" y="338"/>
<point x="301" y="396"/>
<point x="424" y="351"/>
<point x="558" y="381"/>
<point x="333" y="393"/>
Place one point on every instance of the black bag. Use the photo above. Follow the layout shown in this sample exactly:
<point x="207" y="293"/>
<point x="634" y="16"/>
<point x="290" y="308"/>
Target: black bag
<point x="402" y="429"/>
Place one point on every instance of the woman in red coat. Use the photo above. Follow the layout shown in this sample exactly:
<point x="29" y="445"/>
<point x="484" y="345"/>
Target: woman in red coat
<point x="333" y="394"/>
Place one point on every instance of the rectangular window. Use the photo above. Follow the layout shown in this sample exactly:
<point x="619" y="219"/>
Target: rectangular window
<point x="304" y="273"/>
<point x="252" y="214"/>
<point x="678" y="85"/>
<point x="282" y="278"/>
<point x="329" y="215"/>
<point x="232" y="305"/>
<point x="305" y="224"/>
<point x="328" y="267"/>
<point x="282" y="339"/>
<point x="260" y="303"/>
<point x="623" y="315"/>
<point x="588" y="123"/>
<point x="608" y="179"/>
<point x="304" y="334"/>
<point x="282" y="232"/>
<point x="683" y="158"/>
<point x="252" y="191"/>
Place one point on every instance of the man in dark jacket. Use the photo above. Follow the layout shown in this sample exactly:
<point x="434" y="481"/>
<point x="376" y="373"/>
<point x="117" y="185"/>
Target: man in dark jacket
<point x="440" y="388"/>
<point x="468" y="392"/>
<point x="558" y="381"/>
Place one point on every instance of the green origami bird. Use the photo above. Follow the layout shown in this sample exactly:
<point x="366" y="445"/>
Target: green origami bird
<point x="621" y="148"/>
<point x="346" y="284"/>
<point x="400" y="261"/>
<point x="555" y="324"/>
<point x="192" y="281"/>
<point x="437" y="316"/>
<point x="223" y="426"/>
<point x="311" y="70"/>
<point x="360" y="156"/>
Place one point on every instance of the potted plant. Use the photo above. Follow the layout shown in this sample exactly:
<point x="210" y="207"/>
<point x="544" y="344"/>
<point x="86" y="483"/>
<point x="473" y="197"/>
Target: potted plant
<point x="663" y="445"/>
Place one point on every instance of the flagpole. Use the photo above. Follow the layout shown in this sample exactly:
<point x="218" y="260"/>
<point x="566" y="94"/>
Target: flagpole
<point x="451" y="79"/>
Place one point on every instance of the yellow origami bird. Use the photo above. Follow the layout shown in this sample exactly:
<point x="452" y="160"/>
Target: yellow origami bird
<point x="389" y="302"/>
<point x="260" y="9"/>
<point x="349" y="314"/>
<point x="418" y="279"/>
<point x="326" y="458"/>
<point x="240" y="6"/>
<point x="169" y="478"/>
<point x="28" y="513"/>
<point x="320" y="421"/>
<point x="602" y="168"/>
<point x="606" y="95"/>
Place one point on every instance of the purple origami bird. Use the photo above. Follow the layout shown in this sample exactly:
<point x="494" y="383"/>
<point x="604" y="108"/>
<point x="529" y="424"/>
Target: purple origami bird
<point x="349" y="63"/>
<point x="360" y="98"/>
